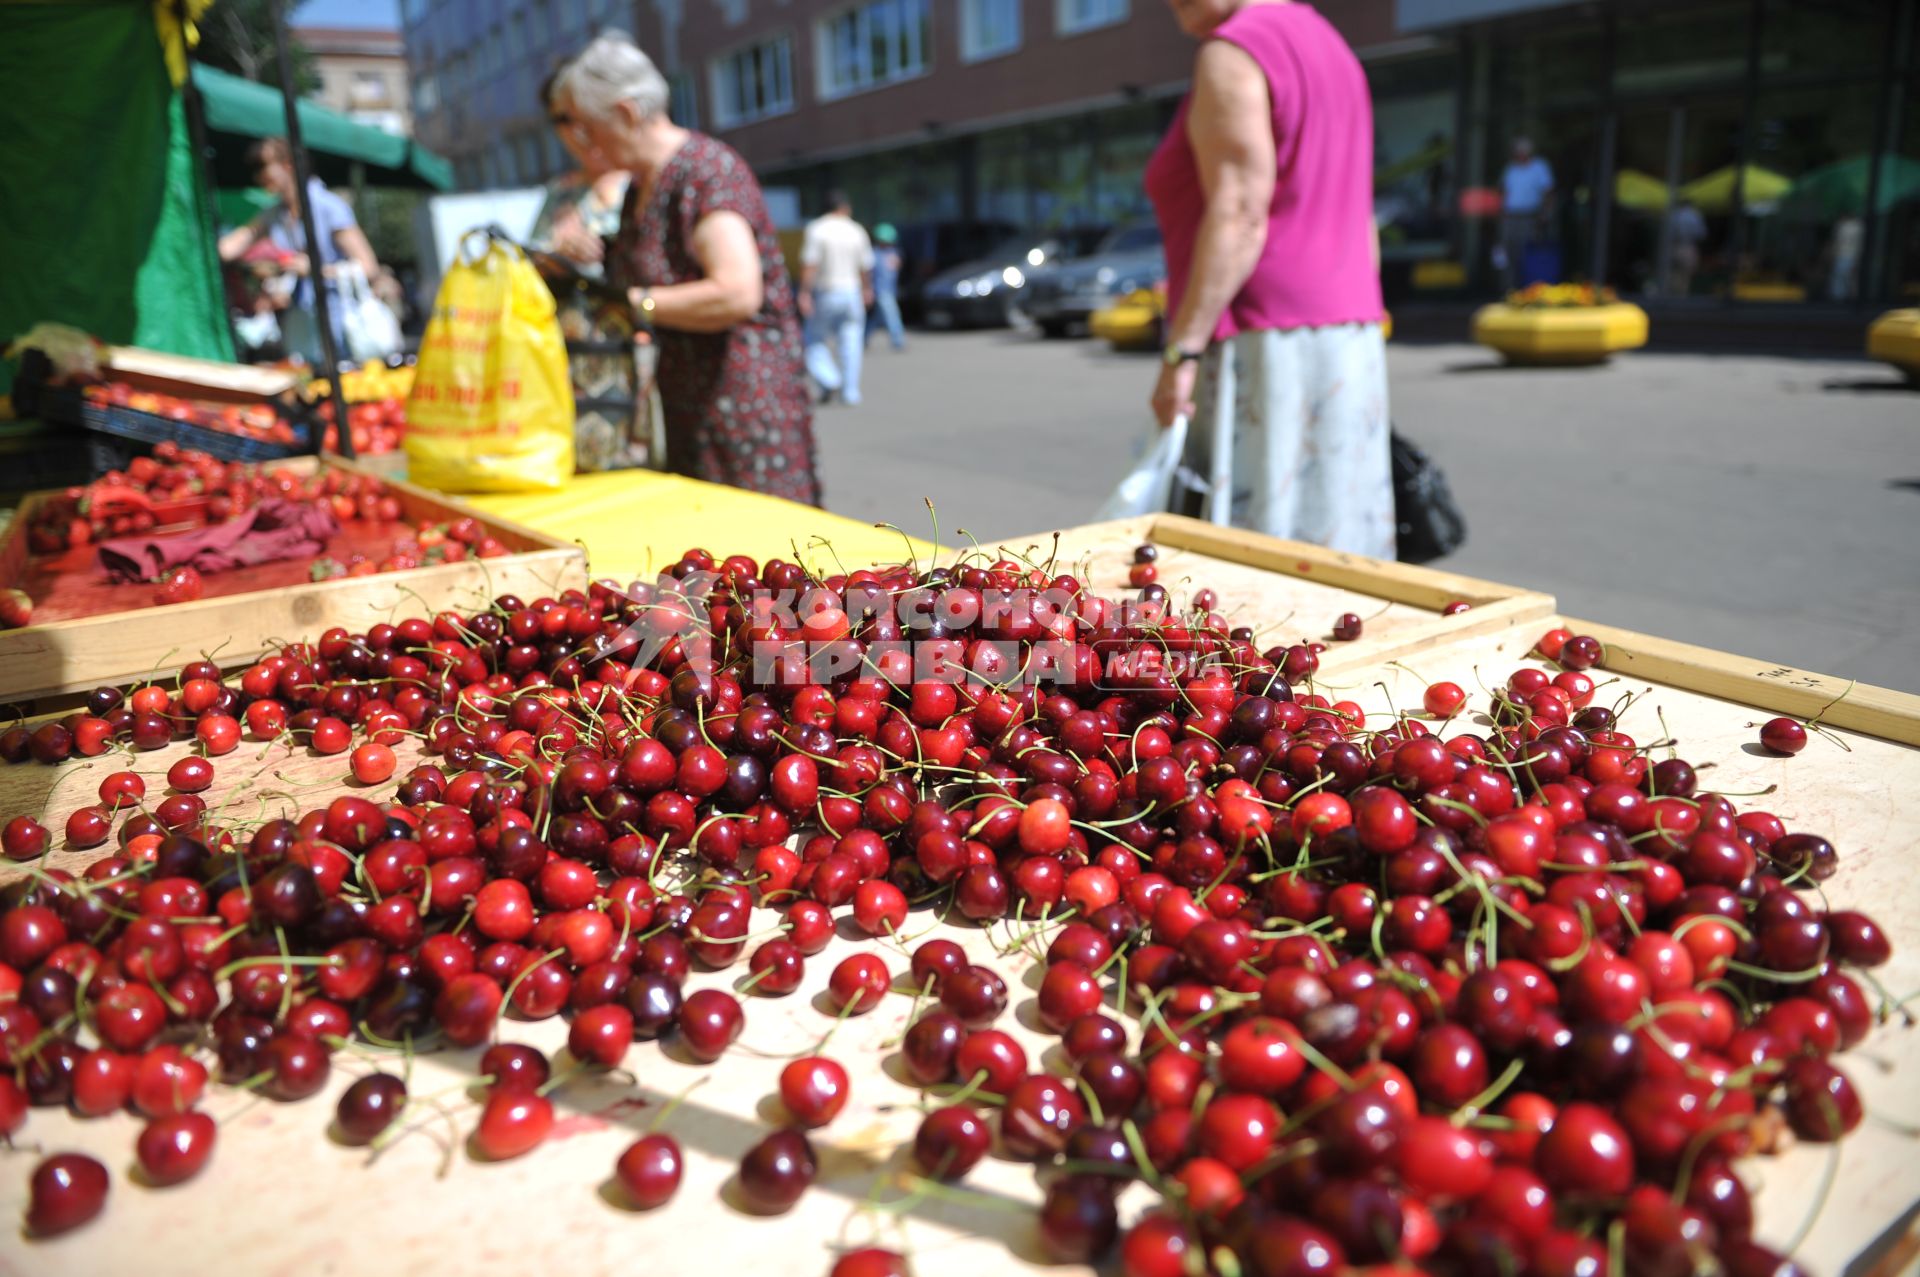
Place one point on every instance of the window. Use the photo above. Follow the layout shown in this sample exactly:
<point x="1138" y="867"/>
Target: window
<point x="988" y="28"/>
<point x="367" y="87"/>
<point x="872" y="45"/>
<point x="1075" y="16"/>
<point x="752" y="83"/>
<point x="426" y="94"/>
<point x="683" y="106"/>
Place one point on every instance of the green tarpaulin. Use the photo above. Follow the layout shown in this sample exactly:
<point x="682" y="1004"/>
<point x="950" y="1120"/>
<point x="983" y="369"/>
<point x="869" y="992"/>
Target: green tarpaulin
<point x="102" y="222"/>
<point x="240" y="109"/>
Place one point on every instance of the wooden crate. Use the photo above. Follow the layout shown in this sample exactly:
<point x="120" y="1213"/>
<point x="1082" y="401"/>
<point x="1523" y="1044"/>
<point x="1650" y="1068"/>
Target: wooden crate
<point x="427" y="1204"/>
<point x="1289" y="591"/>
<point x="1853" y="793"/>
<point x="75" y="655"/>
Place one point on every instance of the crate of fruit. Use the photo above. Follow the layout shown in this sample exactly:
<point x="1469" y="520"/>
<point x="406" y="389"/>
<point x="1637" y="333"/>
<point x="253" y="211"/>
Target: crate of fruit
<point x="1496" y="942"/>
<point x="392" y="545"/>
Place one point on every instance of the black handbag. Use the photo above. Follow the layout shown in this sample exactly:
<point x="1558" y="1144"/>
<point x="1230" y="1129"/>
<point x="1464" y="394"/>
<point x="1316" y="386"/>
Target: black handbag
<point x="1430" y="523"/>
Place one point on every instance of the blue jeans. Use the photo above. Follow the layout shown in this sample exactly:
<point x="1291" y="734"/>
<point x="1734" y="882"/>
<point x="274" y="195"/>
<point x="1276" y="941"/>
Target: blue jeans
<point x="886" y="313"/>
<point x="839" y="326"/>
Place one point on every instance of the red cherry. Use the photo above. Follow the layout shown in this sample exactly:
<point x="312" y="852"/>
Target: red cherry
<point x="66" y="1191"/>
<point x="172" y="1149"/>
<point x="859" y="983"/>
<point x="512" y="1123"/>
<point x="649" y="1170"/>
<point x="814" y="1090"/>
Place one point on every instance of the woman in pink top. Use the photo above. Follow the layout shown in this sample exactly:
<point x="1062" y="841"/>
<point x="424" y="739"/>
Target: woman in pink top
<point x="1264" y="192"/>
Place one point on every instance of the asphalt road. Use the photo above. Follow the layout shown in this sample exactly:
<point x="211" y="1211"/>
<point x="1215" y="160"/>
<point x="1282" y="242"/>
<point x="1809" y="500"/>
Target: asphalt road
<point x="1761" y="505"/>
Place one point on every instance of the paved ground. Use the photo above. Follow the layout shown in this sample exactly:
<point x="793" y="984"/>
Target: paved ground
<point x="1761" y="505"/>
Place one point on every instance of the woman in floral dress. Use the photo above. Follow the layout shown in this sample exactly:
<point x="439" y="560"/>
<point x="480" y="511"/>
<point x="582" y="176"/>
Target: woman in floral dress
<point x="697" y="253"/>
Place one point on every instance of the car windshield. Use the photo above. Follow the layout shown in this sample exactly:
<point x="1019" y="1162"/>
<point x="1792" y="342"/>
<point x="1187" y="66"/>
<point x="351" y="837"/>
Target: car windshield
<point x="1131" y="239"/>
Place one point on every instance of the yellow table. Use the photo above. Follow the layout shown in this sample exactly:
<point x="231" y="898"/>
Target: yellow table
<point x="635" y="522"/>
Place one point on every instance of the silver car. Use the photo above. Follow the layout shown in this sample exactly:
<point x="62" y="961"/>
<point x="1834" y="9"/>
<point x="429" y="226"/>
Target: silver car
<point x="1058" y="299"/>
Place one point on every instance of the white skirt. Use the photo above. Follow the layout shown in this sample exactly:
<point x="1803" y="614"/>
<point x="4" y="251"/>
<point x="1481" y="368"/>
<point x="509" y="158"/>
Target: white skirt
<point x="1306" y="410"/>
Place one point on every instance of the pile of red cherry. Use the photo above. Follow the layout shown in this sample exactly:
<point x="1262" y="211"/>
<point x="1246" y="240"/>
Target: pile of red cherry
<point x="1511" y="1002"/>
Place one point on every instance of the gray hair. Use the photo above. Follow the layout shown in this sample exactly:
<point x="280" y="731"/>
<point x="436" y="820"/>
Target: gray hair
<point x="610" y="70"/>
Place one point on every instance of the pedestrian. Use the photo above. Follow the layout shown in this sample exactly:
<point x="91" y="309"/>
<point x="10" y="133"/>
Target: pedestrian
<point x="836" y="288"/>
<point x="1263" y="188"/>
<point x="1687" y="230"/>
<point x="886" y="285"/>
<point x="697" y="254"/>
<point x="1526" y="203"/>
<point x="343" y="246"/>
<point x="581" y="213"/>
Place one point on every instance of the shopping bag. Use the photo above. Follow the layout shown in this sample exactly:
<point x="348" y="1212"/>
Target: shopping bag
<point x="1146" y="488"/>
<point x="368" y="323"/>
<point x="1430" y="521"/>
<point x="491" y="408"/>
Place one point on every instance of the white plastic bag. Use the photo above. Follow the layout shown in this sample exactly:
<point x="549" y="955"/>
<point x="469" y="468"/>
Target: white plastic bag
<point x="1148" y="486"/>
<point x="367" y="323"/>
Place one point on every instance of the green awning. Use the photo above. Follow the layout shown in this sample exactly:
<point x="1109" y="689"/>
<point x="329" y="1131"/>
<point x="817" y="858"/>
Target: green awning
<point x="239" y="110"/>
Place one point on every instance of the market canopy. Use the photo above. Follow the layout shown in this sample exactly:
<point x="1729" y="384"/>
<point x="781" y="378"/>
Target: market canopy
<point x="1641" y="192"/>
<point x="1838" y="189"/>
<point x="1714" y="192"/>
<point x="239" y="110"/>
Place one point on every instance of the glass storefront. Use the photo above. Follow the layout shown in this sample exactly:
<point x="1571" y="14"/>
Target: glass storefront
<point x="1740" y="152"/>
<point x="1751" y="151"/>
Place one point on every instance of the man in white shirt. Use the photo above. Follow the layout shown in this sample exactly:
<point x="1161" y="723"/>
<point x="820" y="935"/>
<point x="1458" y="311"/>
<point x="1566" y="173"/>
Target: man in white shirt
<point x="836" y="288"/>
<point x="1526" y="190"/>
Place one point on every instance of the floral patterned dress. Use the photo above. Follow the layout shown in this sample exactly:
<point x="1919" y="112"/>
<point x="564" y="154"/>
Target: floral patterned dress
<point x="736" y="404"/>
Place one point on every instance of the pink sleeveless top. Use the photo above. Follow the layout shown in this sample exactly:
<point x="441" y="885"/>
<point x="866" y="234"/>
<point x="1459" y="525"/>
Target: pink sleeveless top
<point x="1317" y="265"/>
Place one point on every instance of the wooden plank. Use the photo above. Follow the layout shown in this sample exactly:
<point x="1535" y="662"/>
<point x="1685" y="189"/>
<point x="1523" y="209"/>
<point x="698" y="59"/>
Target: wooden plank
<point x="1289" y="591"/>
<point x="1423" y="587"/>
<point x="1839" y="702"/>
<point x="196" y="378"/>
<point x="78" y="654"/>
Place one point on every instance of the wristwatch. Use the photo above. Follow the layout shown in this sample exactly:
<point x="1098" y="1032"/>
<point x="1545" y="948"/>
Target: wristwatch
<point x="646" y="307"/>
<point x="1175" y="355"/>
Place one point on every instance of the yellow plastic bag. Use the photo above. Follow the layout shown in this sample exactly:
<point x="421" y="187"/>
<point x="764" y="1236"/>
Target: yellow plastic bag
<point x="491" y="409"/>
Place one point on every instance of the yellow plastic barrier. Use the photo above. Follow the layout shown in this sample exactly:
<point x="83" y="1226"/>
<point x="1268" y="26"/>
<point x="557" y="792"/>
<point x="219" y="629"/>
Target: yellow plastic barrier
<point x="1894" y="338"/>
<point x="635" y="522"/>
<point x="1560" y="334"/>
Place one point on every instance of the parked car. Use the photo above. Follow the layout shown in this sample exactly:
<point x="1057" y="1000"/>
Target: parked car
<point x="1062" y="298"/>
<point x="928" y="248"/>
<point x="983" y="292"/>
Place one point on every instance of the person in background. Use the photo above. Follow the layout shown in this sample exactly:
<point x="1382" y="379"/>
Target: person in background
<point x="836" y="289"/>
<point x="697" y="255"/>
<point x="1686" y="231"/>
<point x="886" y="285"/>
<point x="581" y="214"/>
<point x="1263" y="188"/>
<point x="341" y="241"/>
<point x="1526" y="202"/>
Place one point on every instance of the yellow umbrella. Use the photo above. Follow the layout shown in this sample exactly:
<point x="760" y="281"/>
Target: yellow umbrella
<point x="1641" y="192"/>
<point x="1714" y="192"/>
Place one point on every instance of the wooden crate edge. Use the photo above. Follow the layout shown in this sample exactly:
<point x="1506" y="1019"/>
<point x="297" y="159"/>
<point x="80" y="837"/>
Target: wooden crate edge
<point x="1495" y="617"/>
<point x="1768" y="685"/>
<point x="1410" y="583"/>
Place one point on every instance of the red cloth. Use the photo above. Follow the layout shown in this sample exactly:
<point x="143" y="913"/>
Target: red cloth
<point x="271" y="531"/>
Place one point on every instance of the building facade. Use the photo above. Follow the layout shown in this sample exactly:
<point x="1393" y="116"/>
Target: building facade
<point x="1745" y="152"/>
<point x="363" y="74"/>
